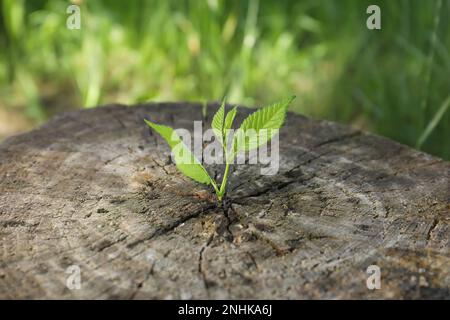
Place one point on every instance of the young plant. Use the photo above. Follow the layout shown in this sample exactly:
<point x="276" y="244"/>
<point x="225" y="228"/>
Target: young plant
<point x="257" y="129"/>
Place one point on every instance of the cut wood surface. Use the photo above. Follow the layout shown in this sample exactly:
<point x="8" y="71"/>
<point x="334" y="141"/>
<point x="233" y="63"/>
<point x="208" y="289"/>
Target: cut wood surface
<point x="96" y="189"/>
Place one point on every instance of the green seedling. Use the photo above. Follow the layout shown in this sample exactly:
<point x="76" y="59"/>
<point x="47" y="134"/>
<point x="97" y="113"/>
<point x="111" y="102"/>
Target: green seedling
<point x="257" y="129"/>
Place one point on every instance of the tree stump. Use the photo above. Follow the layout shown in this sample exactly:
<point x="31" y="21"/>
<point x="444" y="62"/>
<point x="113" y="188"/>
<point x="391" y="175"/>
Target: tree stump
<point x="95" y="189"/>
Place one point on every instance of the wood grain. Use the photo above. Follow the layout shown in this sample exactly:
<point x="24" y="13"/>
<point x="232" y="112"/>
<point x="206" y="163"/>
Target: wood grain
<point x="97" y="189"/>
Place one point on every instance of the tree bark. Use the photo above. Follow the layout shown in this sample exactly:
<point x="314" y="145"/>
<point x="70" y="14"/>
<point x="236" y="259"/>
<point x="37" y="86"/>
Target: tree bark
<point x="96" y="189"/>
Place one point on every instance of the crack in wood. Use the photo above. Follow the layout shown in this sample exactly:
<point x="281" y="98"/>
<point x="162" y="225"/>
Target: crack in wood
<point x="200" y="263"/>
<point x="338" y="139"/>
<point x="432" y="227"/>
<point x="172" y="226"/>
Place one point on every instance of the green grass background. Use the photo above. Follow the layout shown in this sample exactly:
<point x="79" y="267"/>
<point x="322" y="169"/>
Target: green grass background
<point x="394" y="81"/>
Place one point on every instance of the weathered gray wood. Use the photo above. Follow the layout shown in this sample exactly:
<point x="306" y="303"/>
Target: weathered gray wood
<point x="95" y="189"/>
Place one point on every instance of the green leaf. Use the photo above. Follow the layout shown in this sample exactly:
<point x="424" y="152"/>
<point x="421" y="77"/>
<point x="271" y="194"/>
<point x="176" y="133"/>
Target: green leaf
<point x="185" y="160"/>
<point x="229" y="119"/>
<point x="228" y="124"/>
<point x="217" y="122"/>
<point x="259" y="127"/>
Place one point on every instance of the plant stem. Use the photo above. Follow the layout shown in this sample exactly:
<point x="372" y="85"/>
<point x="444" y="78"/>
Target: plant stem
<point x="224" y="182"/>
<point x="216" y="189"/>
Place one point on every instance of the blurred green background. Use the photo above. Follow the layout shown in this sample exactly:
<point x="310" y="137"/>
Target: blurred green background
<point x="394" y="81"/>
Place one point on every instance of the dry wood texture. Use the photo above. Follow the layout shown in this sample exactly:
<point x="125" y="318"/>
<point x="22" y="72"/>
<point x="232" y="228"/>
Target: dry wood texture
<point x="96" y="189"/>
